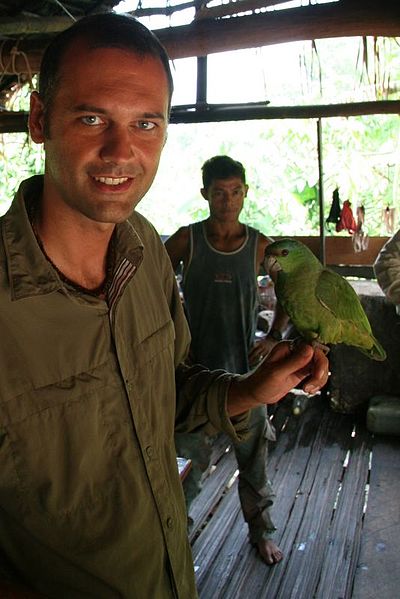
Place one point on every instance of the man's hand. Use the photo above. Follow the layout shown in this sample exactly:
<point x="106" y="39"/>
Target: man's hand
<point x="285" y="367"/>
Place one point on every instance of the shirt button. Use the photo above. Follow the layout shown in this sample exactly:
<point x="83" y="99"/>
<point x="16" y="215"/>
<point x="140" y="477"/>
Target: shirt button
<point x="170" y="522"/>
<point x="149" y="451"/>
<point x="129" y="386"/>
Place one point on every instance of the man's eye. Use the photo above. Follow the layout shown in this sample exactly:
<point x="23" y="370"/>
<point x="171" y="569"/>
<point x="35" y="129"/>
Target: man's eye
<point x="146" y="125"/>
<point x="91" y="120"/>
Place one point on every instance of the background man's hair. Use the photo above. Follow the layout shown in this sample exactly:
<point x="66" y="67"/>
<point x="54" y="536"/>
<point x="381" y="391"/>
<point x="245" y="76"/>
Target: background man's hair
<point x="222" y="167"/>
<point x="105" y="30"/>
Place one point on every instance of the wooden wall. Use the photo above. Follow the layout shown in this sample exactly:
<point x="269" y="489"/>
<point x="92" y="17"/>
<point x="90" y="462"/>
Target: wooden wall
<point x="340" y="251"/>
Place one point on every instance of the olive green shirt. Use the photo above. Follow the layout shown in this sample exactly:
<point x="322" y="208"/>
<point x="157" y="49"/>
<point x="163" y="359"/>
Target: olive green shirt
<point x="91" y="503"/>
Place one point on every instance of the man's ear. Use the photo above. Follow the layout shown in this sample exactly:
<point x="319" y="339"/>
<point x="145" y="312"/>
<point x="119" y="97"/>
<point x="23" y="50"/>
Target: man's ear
<point x="204" y="194"/>
<point x="36" y="118"/>
<point x="246" y="189"/>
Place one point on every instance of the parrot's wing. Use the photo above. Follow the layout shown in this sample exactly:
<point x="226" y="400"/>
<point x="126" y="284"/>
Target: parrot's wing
<point x="338" y="296"/>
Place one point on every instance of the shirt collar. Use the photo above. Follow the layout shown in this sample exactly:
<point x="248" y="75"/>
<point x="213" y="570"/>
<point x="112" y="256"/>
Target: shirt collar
<point x="30" y="273"/>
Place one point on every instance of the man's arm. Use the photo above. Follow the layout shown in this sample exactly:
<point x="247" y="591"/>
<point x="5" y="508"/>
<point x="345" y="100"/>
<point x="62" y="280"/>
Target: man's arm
<point x="223" y="399"/>
<point x="177" y="247"/>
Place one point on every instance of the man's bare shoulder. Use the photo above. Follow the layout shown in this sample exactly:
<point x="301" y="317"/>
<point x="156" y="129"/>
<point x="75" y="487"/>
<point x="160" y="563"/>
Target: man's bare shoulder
<point x="263" y="240"/>
<point x="177" y="245"/>
<point x="180" y="234"/>
<point x="178" y="240"/>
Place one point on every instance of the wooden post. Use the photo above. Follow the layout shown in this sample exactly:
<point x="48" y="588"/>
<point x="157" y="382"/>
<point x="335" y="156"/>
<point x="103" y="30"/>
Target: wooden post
<point x="321" y="194"/>
<point x="201" y="95"/>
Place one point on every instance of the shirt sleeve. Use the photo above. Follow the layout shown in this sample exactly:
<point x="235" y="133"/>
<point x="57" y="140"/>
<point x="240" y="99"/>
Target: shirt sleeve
<point x="387" y="269"/>
<point x="201" y="401"/>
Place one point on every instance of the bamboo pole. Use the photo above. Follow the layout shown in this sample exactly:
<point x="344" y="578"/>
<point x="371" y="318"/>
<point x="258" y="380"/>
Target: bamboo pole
<point x="241" y="112"/>
<point x="322" y="256"/>
<point x="11" y="122"/>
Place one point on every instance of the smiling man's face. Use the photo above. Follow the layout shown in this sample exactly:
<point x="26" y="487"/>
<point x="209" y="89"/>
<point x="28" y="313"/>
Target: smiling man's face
<point x="107" y="126"/>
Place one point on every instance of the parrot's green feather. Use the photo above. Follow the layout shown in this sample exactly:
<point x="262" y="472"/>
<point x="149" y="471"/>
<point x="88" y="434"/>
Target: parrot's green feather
<point x="339" y="296"/>
<point x="321" y="304"/>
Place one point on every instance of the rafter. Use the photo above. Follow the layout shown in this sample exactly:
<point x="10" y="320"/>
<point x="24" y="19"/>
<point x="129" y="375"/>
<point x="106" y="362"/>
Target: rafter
<point x="11" y="122"/>
<point x="341" y="19"/>
<point x="234" y="7"/>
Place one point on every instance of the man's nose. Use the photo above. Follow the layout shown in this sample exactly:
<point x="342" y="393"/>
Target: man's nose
<point x="117" y="145"/>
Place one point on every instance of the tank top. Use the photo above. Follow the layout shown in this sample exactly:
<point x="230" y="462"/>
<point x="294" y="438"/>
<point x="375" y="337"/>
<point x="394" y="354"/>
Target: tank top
<point x="220" y="294"/>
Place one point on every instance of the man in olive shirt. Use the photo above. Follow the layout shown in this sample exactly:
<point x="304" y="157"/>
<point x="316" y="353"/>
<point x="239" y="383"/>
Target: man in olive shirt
<point x="94" y="339"/>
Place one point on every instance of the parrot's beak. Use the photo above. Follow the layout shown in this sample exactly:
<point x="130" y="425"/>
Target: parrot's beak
<point x="271" y="266"/>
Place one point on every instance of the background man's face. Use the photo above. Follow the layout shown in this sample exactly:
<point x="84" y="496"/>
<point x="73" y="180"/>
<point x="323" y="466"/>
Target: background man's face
<point x="226" y="197"/>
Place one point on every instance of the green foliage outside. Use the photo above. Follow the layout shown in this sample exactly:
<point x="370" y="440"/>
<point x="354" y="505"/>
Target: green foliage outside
<point x="360" y="157"/>
<point x="19" y="156"/>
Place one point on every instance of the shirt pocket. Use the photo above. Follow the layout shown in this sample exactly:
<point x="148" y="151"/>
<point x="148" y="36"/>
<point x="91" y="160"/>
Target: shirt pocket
<point x="61" y="453"/>
<point x="154" y="379"/>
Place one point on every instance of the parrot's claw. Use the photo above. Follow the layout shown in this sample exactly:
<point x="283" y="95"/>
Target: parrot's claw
<point x="324" y="348"/>
<point x="315" y="344"/>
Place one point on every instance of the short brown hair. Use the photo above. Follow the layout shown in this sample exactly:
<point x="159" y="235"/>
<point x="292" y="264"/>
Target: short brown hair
<point x="105" y="30"/>
<point x="222" y="167"/>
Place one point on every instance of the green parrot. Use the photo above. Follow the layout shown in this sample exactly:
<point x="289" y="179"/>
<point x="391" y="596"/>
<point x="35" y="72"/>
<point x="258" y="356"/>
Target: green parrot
<point x="322" y="305"/>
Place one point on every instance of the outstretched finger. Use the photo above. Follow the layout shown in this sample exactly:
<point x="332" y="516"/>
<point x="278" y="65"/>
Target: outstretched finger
<point x="319" y="372"/>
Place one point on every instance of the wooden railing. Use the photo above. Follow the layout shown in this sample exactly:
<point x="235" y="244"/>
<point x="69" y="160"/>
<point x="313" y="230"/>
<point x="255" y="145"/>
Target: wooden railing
<point x="340" y="253"/>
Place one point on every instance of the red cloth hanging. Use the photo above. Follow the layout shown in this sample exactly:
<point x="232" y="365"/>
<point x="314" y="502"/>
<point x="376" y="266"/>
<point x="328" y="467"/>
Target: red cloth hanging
<point x="347" y="221"/>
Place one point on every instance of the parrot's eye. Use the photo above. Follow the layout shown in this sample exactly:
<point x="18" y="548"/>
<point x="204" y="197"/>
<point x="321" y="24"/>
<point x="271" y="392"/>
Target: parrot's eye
<point x="285" y="252"/>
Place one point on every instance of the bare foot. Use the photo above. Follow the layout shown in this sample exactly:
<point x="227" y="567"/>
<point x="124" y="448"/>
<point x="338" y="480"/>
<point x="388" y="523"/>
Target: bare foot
<point x="269" y="551"/>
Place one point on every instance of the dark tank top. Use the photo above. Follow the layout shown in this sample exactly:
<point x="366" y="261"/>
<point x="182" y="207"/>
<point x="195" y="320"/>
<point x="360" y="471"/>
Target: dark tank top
<point x="220" y="292"/>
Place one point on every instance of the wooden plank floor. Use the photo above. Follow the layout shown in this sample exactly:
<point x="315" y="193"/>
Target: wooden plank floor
<point x="378" y="572"/>
<point x="320" y="469"/>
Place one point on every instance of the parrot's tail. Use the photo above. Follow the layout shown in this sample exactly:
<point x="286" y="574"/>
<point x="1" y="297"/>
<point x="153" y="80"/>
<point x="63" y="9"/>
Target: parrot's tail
<point x="376" y="352"/>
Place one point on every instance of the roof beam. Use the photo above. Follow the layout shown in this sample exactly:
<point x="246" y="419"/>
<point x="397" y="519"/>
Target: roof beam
<point x="341" y="19"/>
<point x="13" y="122"/>
<point x="240" y="112"/>
<point x="338" y="19"/>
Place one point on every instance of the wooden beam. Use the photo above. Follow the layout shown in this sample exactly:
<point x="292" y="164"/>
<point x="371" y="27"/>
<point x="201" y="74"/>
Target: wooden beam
<point x="340" y="250"/>
<point x="234" y="8"/>
<point x="13" y="122"/>
<point x="14" y="27"/>
<point x="217" y="113"/>
<point x="23" y="25"/>
<point x="321" y="202"/>
<point x="339" y="19"/>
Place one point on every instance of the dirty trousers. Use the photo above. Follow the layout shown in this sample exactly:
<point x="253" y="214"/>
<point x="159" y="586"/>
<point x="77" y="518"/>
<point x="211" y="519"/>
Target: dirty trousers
<point x="255" y="491"/>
